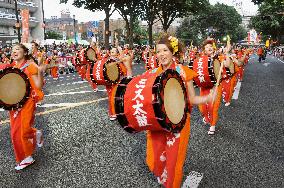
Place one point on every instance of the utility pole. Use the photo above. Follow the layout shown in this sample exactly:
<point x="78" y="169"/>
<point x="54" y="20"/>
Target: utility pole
<point x="18" y="21"/>
<point x="43" y="20"/>
<point x="76" y="42"/>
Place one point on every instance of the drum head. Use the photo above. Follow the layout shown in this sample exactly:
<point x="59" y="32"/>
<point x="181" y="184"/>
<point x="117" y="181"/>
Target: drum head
<point x="170" y="101"/>
<point x="14" y="88"/>
<point x="232" y="68"/>
<point x="112" y="71"/>
<point x="174" y="100"/>
<point x="216" y="68"/>
<point x="91" y="54"/>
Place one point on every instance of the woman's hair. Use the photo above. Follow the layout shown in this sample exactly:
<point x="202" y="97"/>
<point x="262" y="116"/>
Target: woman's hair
<point x="35" y="43"/>
<point x="207" y="41"/>
<point x="166" y="39"/>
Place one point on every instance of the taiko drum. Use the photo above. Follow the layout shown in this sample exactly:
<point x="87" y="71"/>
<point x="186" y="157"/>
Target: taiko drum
<point x="105" y="72"/>
<point x="152" y="101"/>
<point x="14" y="88"/>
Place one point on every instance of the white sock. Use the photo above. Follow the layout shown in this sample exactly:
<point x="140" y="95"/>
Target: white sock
<point x="212" y="128"/>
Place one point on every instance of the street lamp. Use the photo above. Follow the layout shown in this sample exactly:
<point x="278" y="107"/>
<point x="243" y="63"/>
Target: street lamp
<point x="18" y="21"/>
<point x="75" y="30"/>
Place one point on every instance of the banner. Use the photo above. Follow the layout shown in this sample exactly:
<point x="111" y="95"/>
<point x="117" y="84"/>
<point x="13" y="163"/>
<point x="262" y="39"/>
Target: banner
<point x="25" y="14"/>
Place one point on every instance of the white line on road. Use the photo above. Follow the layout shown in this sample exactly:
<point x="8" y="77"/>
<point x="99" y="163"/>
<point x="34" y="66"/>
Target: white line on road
<point x="57" y="105"/>
<point x="75" y="89"/>
<point x="280" y="60"/>
<point x="266" y="64"/>
<point x="237" y="90"/>
<point x="75" y="92"/>
<point x="192" y="180"/>
<point x="69" y="93"/>
<point x="80" y="82"/>
<point x="61" y="108"/>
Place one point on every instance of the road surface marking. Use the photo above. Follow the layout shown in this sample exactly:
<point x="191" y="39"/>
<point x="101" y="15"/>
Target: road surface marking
<point x="280" y="60"/>
<point x="72" y="93"/>
<point x="266" y="64"/>
<point x="73" y="83"/>
<point x="69" y="93"/>
<point x="74" y="89"/>
<point x="192" y="180"/>
<point x="60" y="109"/>
<point x="237" y="90"/>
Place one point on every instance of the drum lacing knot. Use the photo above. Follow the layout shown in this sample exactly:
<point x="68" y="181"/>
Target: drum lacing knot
<point x="33" y="94"/>
<point x="17" y="112"/>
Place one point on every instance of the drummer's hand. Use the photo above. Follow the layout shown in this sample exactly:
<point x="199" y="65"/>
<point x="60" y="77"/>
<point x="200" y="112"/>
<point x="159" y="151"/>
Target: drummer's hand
<point x="131" y="54"/>
<point x="211" y="97"/>
<point x="127" y="61"/>
<point x="42" y="68"/>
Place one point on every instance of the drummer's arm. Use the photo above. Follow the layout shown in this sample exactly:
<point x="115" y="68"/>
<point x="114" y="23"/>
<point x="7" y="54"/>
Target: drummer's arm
<point x="38" y="78"/>
<point x="194" y="99"/>
<point x="228" y="61"/>
<point x="242" y="59"/>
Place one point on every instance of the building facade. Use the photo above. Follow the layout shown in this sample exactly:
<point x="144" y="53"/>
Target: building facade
<point x="8" y="31"/>
<point x="65" y="25"/>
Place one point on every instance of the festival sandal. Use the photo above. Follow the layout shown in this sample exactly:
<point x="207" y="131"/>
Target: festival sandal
<point x="112" y="117"/>
<point x="25" y="163"/>
<point x="211" y="130"/>
<point x="227" y="104"/>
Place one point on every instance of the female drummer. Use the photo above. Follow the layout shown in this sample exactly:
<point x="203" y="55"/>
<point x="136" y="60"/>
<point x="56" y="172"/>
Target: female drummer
<point x="125" y="63"/>
<point x="24" y="136"/>
<point x="166" y="151"/>
<point x="208" y="110"/>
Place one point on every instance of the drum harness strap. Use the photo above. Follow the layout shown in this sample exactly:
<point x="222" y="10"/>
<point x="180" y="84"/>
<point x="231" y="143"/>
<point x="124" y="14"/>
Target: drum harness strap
<point x="19" y="109"/>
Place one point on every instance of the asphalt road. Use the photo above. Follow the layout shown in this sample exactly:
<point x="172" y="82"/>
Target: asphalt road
<point x="83" y="148"/>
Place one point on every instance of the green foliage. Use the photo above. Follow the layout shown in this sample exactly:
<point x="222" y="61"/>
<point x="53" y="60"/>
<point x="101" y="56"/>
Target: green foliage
<point x="140" y="34"/>
<point x="53" y="35"/>
<point x="169" y="10"/>
<point x="270" y="19"/>
<point x="218" y="20"/>
<point x="130" y="11"/>
<point x="190" y="30"/>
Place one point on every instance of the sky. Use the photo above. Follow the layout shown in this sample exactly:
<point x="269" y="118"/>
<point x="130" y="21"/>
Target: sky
<point x="53" y="8"/>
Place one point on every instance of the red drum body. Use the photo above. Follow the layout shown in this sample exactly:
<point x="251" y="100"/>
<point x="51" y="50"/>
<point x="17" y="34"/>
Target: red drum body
<point x="4" y="65"/>
<point x="15" y="88"/>
<point x="152" y="102"/>
<point x="208" y="71"/>
<point x="152" y="62"/>
<point x="105" y="72"/>
<point x="86" y="55"/>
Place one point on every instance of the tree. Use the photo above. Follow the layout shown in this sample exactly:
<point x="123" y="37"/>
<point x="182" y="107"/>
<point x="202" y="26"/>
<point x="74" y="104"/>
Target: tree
<point x="103" y="5"/>
<point x="190" y="31"/>
<point x="53" y="35"/>
<point x="218" y="20"/>
<point x="149" y="14"/>
<point x="270" y="19"/>
<point x="140" y="34"/>
<point x="170" y="10"/>
<point x="129" y="11"/>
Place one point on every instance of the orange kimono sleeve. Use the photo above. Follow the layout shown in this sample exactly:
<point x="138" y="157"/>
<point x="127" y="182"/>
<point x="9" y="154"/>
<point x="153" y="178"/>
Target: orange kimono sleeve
<point x="33" y="70"/>
<point x="187" y="73"/>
